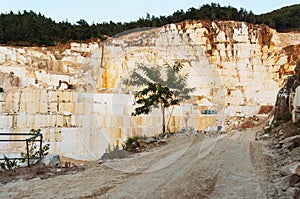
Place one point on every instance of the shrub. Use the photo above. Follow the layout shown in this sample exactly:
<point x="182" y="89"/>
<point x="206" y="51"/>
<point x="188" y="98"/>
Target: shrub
<point x="110" y="148"/>
<point x="131" y="143"/>
<point x="285" y="116"/>
<point x="1" y="90"/>
<point x="8" y="164"/>
<point x="296" y="124"/>
<point x="34" y="151"/>
<point x="268" y="130"/>
<point x="276" y="124"/>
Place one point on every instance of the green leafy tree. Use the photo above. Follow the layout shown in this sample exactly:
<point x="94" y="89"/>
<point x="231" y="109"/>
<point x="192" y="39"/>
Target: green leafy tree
<point x="152" y="96"/>
<point x="162" y="87"/>
<point x="31" y="29"/>
<point x="167" y="75"/>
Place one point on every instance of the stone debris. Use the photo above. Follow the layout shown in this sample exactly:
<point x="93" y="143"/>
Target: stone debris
<point x="116" y="154"/>
<point x="213" y="133"/>
<point x="147" y="143"/>
<point x="293" y="168"/>
<point x="288" y="181"/>
<point x="52" y="160"/>
<point x="244" y="122"/>
<point x="161" y="141"/>
<point x="293" y="192"/>
<point x="143" y="144"/>
<point x="284" y="140"/>
<point x="140" y="144"/>
<point x="265" y="136"/>
<point x="38" y="171"/>
<point x="294" y="139"/>
<point x="148" y="140"/>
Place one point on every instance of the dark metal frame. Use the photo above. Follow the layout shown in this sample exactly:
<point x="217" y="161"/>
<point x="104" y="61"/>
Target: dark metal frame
<point x="32" y="139"/>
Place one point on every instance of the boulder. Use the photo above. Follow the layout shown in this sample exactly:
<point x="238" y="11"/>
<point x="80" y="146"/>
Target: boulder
<point x="287" y="147"/>
<point x="150" y="140"/>
<point x="293" y="168"/>
<point x="161" y="141"/>
<point x="141" y="142"/>
<point x="288" y="181"/>
<point x="52" y="160"/>
<point x="290" y="143"/>
<point x="293" y="192"/>
<point x="297" y="184"/>
<point x="293" y="139"/>
<point x="281" y="132"/>
<point x="118" y="154"/>
<point x="265" y="136"/>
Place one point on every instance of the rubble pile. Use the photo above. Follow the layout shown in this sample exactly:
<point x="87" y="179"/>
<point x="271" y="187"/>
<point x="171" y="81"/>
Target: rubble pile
<point x="284" y="140"/>
<point x="242" y="122"/>
<point x="48" y="167"/>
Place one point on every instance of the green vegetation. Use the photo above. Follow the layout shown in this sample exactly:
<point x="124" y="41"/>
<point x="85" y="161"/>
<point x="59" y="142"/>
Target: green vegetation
<point x="162" y="87"/>
<point x="284" y="19"/>
<point x="1" y="90"/>
<point x="131" y="143"/>
<point x="30" y="29"/>
<point x="296" y="124"/>
<point x="110" y="148"/>
<point x="169" y="76"/>
<point x="268" y="130"/>
<point x="34" y="151"/>
<point x="8" y="164"/>
<point x="286" y="116"/>
<point x="155" y="95"/>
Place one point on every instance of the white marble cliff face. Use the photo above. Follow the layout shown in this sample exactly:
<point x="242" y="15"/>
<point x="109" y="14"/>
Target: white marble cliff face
<point x="228" y="62"/>
<point x="239" y="63"/>
<point x="73" y="92"/>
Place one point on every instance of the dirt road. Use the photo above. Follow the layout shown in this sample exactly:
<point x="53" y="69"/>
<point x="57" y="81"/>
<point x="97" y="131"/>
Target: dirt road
<point x="230" y="166"/>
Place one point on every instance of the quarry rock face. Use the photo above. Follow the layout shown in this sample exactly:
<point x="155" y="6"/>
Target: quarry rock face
<point x="74" y="94"/>
<point x="288" y="97"/>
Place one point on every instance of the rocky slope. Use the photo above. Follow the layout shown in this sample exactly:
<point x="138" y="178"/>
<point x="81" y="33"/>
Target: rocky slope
<point x="282" y="135"/>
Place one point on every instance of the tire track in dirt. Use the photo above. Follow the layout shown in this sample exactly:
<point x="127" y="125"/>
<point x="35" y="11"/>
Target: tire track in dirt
<point x="226" y="172"/>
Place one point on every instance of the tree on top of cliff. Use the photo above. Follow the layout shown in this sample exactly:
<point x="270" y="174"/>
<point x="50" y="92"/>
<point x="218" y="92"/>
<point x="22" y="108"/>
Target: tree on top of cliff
<point x="161" y="87"/>
<point x="283" y="20"/>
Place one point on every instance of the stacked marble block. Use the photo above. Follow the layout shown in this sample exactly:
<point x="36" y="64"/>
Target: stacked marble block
<point x="82" y="125"/>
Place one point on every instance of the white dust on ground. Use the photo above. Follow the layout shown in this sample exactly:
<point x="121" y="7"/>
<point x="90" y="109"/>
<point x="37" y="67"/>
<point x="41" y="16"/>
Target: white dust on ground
<point x="230" y="166"/>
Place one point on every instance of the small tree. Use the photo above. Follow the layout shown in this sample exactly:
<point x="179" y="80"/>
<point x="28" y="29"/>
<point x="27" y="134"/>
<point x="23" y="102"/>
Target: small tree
<point x="155" y="95"/>
<point x="163" y="87"/>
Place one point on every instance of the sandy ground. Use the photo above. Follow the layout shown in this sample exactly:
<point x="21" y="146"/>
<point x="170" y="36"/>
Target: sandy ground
<point x="227" y="166"/>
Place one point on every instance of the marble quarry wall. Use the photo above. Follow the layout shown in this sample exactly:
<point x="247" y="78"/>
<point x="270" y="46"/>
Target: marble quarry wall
<point x="74" y="94"/>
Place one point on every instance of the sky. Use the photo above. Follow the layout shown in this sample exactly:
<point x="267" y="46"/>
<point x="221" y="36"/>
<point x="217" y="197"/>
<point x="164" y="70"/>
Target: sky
<point x="98" y="11"/>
